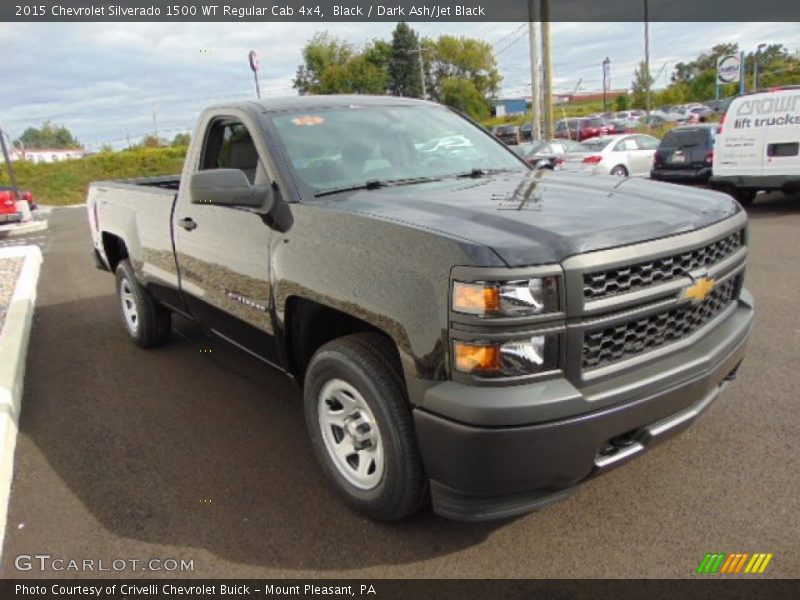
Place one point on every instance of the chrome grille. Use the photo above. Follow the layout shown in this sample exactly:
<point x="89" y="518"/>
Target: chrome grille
<point x="629" y="278"/>
<point x="608" y="345"/>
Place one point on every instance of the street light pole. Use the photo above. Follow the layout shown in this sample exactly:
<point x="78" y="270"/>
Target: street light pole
<point x="606" y="64"/>
<point x="536" y="86"/>
<point x="755" y="65"/>
<point x="647" y="55"/>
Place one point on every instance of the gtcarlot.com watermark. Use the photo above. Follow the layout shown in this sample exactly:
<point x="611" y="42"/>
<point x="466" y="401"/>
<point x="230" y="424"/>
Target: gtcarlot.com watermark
<point x="48" y="563"/>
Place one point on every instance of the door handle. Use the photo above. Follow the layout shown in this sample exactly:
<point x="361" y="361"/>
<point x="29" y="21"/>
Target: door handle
<point x="187" y="223"/>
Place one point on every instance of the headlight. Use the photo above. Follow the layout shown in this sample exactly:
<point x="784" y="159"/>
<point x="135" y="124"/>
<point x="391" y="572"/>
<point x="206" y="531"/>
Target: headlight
<point x="514" y="358"/>
<point x="507" y="299"/>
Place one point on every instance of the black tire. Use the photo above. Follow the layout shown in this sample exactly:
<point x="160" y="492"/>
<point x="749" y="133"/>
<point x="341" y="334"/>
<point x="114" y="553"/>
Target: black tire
<point x="153" y="323"/>
<point x="368" y="364"/>
<point x="745" y="197"/>
<point x="619" y="171"/>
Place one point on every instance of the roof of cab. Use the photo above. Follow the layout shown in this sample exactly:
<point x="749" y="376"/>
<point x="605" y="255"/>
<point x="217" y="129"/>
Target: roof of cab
<point x="314" y="102"/>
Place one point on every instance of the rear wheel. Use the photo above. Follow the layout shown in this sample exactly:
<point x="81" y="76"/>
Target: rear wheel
<point x="361" y="427"/>
<point x="147" y="323"/>
<point x="619" y="171"/>
<point x="745" y="197"/>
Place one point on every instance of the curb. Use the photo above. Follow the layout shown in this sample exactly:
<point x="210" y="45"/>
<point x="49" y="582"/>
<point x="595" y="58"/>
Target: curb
<point x="13" y="350"/>
<point x="23" y="228"/>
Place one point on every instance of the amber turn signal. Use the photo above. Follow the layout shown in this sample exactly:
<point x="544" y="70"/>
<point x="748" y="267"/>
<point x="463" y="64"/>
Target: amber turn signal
<point x="476" y="298"/>
<point x="473" y="358"/>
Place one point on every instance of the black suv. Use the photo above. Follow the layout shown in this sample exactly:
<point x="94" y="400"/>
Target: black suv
<point x="685" y="154"/>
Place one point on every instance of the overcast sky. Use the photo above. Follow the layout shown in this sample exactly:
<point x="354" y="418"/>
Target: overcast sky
<point x="104" y="81"/>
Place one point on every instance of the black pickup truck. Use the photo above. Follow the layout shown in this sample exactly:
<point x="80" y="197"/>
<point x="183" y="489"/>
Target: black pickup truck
<point x="466" y="330"/>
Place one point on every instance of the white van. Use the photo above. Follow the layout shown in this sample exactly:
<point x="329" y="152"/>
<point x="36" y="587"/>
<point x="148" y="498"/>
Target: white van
<point x="758" y="146"/>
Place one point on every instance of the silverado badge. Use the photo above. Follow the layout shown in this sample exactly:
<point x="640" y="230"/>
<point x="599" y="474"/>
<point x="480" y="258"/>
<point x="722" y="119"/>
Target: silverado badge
<point x="699" y="290"/>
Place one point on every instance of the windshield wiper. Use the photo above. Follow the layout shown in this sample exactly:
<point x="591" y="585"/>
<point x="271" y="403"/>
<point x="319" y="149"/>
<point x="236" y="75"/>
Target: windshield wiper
<point x="374" y="184"/>
<point x="478" y="172"/>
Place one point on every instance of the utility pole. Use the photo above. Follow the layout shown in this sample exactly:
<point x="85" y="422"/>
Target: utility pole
<point x="155" y="122"/>
<point x="606" y="67"/>
<point x="421" y="68"/>
<point x="536" y="89"/>
<point x="547" y="64"/>
<point x="11" y="176"/>
<point x="647" y="55"/>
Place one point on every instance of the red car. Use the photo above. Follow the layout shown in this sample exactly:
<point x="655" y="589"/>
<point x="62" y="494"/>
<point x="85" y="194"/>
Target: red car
<point x="8" y="208"/>
<point x="7" y="192"/>
<point x="583" y="128"/>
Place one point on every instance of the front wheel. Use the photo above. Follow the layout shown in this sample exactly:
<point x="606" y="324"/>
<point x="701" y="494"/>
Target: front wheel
<point x="361" y="427"/>
<point x="147" y="323"/>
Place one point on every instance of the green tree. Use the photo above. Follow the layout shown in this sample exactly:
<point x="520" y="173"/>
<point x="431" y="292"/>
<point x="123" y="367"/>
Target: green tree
<point x="673" y="94"/>
<point x="404" y="72"/>
<point x="181" y="139"/>
<point x="622" y="102"/>
<point x="151" y="141"/>
<point x="459" y="58"/>
<point x="642" y="79"/>
<point x="50" y="135"/>
<point x="333" y="66"/>
<point x="775" y="66"/>
<point x="322" y="52"/>
<point x="462" y="95"/>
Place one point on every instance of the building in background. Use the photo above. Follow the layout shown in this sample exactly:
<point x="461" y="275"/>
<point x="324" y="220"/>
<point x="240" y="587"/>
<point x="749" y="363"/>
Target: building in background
<point x="48" y="155"/>
<point x="566" y="97"/>
<point x="510" y="106"/>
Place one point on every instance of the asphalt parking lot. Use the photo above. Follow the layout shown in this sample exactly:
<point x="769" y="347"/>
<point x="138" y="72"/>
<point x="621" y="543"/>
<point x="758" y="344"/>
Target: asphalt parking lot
<point x="197" y="451"/>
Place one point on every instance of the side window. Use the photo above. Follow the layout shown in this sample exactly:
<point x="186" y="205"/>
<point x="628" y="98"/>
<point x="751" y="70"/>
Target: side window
<point x="783" y="149"/>
<point x="228" y="145"/>
<point x="646" y="142"/>
<point x="626" y="145"/>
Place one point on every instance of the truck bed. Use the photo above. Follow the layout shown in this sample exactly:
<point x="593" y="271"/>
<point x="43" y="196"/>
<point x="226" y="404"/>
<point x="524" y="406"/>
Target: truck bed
<point x="170" y="183"/>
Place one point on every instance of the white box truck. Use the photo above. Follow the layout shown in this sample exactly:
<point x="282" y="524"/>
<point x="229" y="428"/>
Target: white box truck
<point x="758" y="146"/>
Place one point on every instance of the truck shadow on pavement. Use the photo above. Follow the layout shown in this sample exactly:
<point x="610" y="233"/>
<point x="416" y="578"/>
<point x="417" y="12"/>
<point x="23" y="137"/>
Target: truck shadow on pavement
<point x="775" y="204"/>
<point x="195" y="445"/>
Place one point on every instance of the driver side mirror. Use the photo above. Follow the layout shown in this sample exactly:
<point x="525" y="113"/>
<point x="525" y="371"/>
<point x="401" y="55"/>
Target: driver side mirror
<point x="228" y="187"/>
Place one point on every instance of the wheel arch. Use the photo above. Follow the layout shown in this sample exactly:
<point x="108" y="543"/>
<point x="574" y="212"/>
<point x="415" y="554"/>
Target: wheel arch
<point x="310" y="324"/>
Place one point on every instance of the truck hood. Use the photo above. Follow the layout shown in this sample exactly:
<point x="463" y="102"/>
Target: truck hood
<point x="541" y="216"/>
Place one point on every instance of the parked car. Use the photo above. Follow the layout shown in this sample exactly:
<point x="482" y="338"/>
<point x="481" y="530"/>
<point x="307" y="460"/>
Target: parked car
<point x="653" y="120"/>
<point x="526" y="132"/>
<point x="619" y="155"/>
<point x="718" y="106"/>
<point x="758" y="145"/>
<point x="510" y="134"/>
<point x="628" y="115"/>
<point x="684" y="115"/>
<point x="580" y="129"/>
<point x="8" y="207"/>
<point x="547" y="155"/>
<point x="460" y="324"/>
<point x="23" y="195"/>
<point x="702" y="112"/>
<point x="685" y="154"/>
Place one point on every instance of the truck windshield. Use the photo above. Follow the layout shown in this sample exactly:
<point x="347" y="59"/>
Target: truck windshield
<point x="340" y="148"/>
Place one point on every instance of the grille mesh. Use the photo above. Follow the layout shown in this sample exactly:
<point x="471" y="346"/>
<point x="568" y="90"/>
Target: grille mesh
<point x="630" y="278"/>
<point x="611" y="344"/>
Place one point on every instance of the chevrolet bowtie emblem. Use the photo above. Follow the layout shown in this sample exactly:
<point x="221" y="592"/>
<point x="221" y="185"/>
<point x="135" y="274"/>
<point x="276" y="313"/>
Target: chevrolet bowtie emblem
<point x="700" y="290"/>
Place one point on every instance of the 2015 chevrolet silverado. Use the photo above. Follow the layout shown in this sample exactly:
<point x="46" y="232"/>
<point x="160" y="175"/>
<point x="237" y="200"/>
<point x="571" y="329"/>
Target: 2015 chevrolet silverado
<point x="465" y="328"/>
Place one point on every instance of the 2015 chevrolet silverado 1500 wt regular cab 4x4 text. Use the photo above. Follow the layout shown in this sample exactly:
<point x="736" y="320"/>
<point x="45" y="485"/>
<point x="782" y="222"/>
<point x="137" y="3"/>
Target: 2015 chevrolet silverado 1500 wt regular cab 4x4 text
<point x="464" y="328"/>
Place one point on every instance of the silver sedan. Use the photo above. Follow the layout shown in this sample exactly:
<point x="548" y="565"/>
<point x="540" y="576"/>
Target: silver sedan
<point x="628" y="155"/>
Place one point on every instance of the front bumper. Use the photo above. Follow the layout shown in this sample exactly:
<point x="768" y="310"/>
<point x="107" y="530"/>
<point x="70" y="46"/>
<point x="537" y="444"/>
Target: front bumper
<point x="483" y="467"/>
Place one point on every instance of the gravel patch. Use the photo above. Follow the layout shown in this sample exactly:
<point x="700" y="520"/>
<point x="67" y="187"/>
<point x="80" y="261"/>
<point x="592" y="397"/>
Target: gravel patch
<point x="9" y="272"/>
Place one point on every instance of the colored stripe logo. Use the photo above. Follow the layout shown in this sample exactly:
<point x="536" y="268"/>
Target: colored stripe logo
<point x="733" y="563"/>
